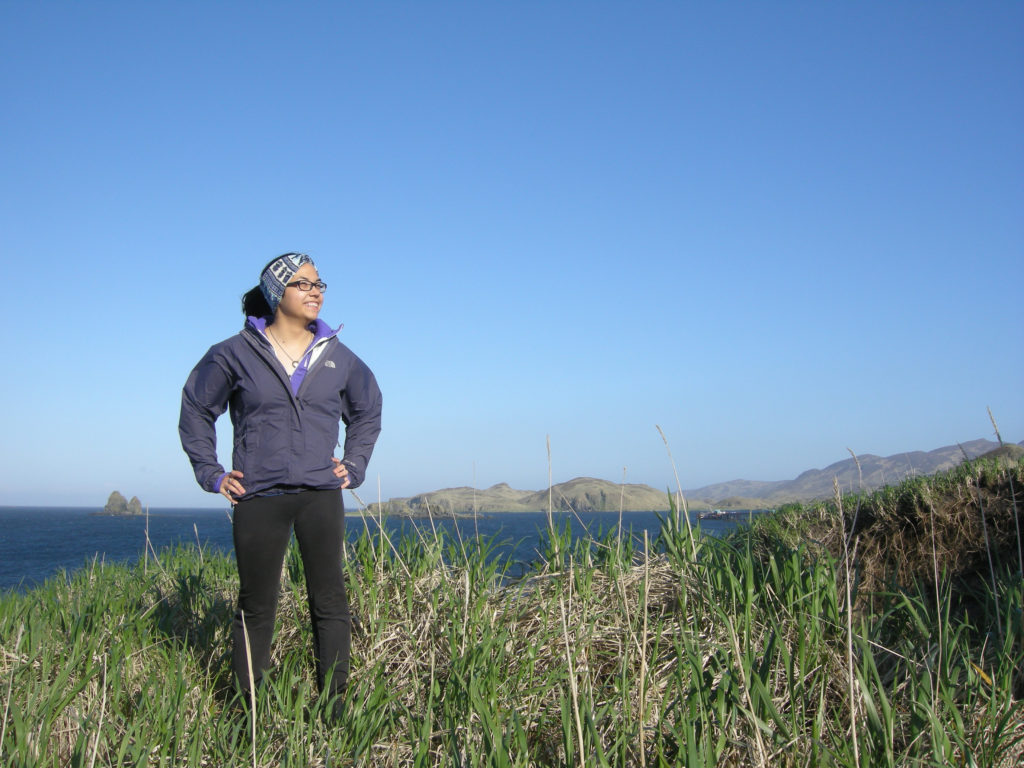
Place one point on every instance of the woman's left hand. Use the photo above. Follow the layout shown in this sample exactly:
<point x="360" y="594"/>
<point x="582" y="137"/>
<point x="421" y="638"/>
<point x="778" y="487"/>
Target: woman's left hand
<point x="341" y="471"/>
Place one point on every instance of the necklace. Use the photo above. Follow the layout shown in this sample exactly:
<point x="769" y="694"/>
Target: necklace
<point x="295" y="363"/>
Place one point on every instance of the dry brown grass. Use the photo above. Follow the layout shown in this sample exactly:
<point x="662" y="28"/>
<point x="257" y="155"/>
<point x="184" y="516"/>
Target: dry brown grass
<point x="953" y="523"/>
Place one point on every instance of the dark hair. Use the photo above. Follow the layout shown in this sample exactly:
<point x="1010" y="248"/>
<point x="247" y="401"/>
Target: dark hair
<point x="254" y="304"/>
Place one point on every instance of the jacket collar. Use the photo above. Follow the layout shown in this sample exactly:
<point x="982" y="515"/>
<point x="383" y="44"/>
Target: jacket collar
<point x="320" y="329"/>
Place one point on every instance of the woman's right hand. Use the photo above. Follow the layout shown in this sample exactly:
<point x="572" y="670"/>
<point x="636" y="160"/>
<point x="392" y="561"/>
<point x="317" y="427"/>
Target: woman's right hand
<point x="231" y="488"/>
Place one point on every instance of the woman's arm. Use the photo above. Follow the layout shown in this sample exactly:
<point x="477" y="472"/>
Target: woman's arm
<point x="204" y="398"/>
<point x="360" y="412"/>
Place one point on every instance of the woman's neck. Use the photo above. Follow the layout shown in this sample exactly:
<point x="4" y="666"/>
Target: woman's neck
<point x="288" y="329"/>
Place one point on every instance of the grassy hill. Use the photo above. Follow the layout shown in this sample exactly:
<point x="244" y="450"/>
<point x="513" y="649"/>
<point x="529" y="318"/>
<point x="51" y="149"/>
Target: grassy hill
<point x="803" y="641"/>
<point x="583" y="494"/>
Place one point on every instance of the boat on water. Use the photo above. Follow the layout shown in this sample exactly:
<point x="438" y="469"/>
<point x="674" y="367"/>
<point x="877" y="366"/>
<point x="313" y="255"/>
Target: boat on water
<point x="714" y="514"/>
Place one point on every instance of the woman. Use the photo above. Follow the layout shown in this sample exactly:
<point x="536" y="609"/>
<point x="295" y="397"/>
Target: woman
<point x="287" y="382"/>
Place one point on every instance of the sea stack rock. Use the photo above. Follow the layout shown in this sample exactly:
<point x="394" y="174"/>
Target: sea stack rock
<point x="134" y="506"/>
<point x="116" y="504"/>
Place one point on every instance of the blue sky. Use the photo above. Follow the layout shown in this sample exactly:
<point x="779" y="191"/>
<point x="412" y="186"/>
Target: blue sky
<point x="779" y="231"/>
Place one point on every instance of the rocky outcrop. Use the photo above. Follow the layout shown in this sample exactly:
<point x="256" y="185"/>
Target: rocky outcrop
<point x="117" y="504"/>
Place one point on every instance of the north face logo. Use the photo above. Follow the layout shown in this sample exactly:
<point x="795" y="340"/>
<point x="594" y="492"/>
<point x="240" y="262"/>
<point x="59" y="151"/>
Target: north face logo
<point x="329" y="364"/>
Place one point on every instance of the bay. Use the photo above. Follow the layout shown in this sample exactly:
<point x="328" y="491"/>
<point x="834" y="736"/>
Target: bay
<point x="38" y="543"/>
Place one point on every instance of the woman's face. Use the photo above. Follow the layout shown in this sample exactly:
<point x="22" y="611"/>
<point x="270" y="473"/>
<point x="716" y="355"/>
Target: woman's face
<point x="302" y="305"/>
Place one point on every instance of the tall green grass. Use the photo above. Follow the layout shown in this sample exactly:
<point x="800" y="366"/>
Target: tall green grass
<point x="615" y="650"/>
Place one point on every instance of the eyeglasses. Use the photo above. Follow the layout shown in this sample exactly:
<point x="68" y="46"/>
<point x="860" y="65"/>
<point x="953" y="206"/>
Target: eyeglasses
<point x="305" y="285"/>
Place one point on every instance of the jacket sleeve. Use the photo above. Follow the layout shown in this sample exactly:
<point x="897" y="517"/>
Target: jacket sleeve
<point x="203" y="399"/>
<point x="360" y="412"/>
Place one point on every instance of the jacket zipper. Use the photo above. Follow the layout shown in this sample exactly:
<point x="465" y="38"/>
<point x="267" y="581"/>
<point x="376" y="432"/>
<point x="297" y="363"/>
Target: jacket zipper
<point x="316" y="366"/>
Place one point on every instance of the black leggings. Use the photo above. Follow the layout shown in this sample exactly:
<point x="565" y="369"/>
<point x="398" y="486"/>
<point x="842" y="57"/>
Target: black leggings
<point x="262" y="528"/>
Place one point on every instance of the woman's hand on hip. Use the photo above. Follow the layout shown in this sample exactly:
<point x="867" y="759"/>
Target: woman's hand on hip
<point x="231" y="487"/>
<point x="341" y="472"/>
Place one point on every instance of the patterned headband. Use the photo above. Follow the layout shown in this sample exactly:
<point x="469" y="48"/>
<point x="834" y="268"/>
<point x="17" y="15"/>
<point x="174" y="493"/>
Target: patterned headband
<point x="275" y="276"/>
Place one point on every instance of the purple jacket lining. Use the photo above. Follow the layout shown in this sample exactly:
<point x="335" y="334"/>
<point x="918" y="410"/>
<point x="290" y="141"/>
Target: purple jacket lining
<point x="320" y="329"/>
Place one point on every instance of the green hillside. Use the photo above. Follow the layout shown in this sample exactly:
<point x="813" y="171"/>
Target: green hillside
<point x="873" y="630"/>
<point x="582" y="494"/>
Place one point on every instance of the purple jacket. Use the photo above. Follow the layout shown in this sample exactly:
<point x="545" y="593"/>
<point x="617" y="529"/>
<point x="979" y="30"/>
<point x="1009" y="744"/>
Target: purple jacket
<point x="282" y="439"/>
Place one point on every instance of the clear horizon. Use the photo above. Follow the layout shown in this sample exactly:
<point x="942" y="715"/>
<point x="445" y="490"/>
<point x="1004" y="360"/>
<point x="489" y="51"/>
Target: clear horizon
<point x="221" y="505"/>
<point x="779" y="233"/>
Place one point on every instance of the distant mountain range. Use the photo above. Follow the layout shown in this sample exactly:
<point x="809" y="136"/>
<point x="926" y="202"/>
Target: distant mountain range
<point x="866" y="472"/>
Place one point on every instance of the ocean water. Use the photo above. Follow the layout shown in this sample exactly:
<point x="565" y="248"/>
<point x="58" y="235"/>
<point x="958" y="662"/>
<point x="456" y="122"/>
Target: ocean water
<point x="38" y="543"/>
